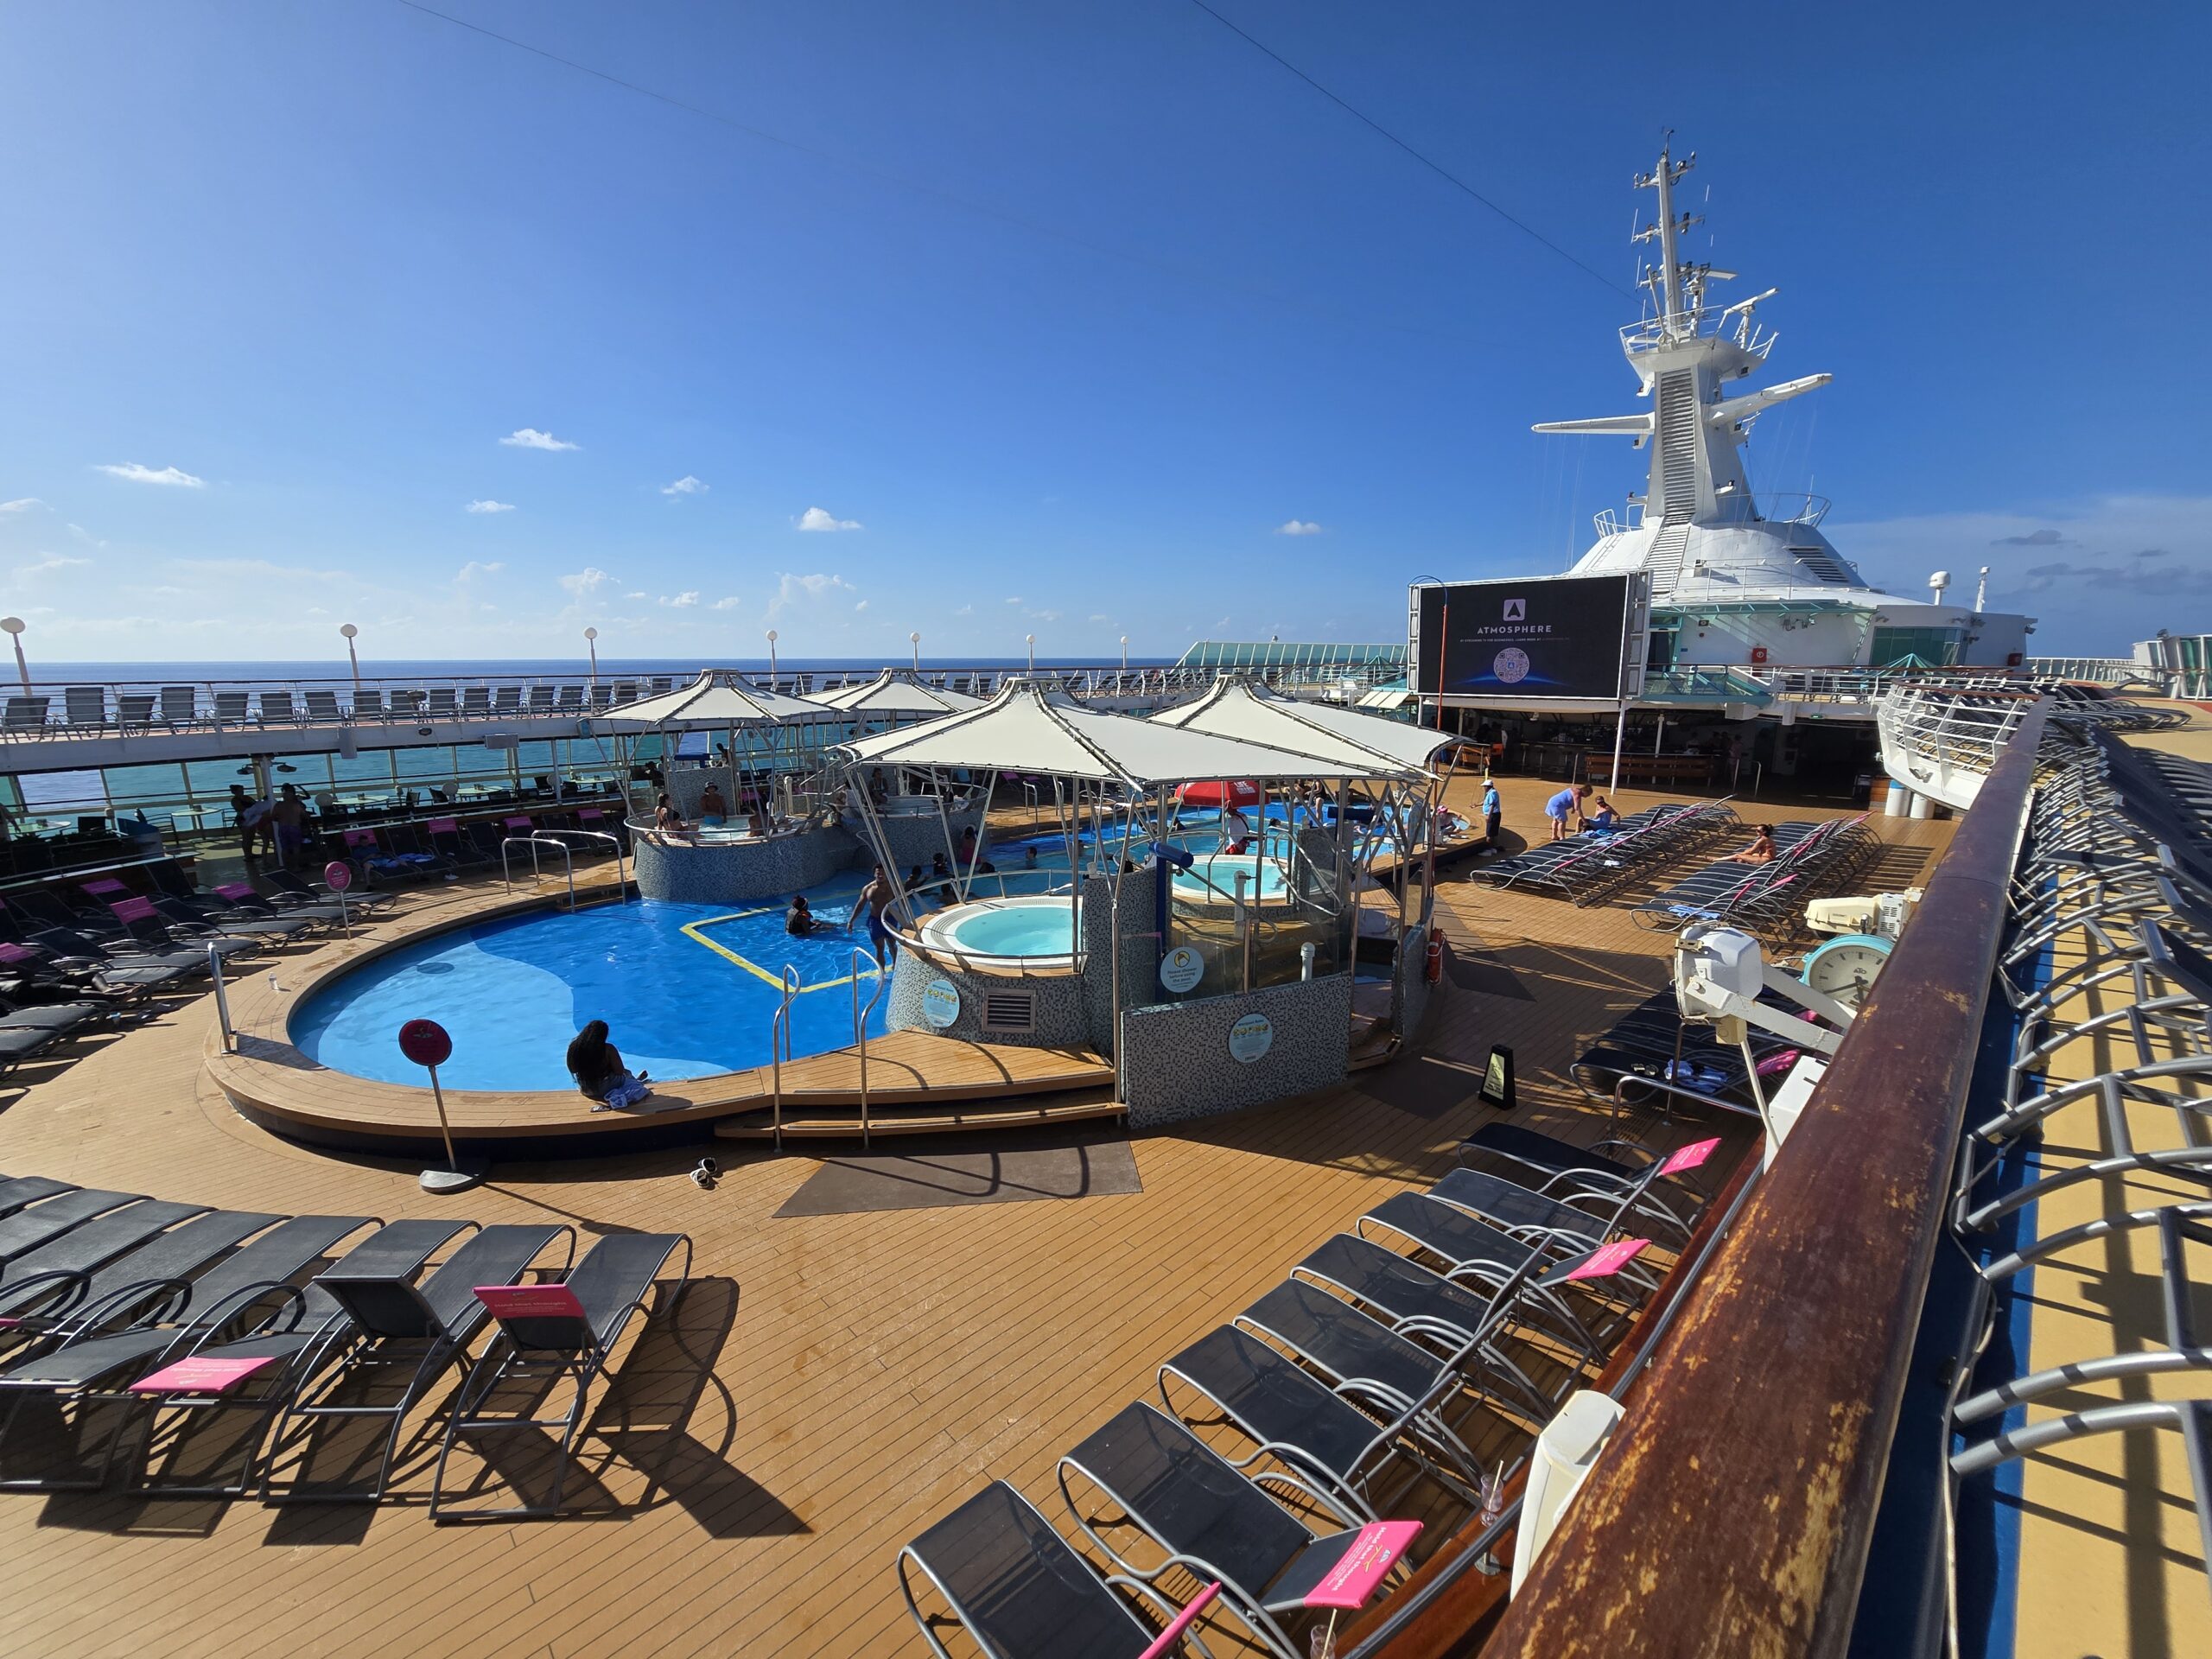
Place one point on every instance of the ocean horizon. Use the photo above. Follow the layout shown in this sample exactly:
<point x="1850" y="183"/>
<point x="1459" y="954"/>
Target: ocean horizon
<point x="50" y="673"/>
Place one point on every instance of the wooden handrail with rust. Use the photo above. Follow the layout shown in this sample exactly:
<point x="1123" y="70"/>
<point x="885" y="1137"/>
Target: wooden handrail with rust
<point x="1732" y="1510"/>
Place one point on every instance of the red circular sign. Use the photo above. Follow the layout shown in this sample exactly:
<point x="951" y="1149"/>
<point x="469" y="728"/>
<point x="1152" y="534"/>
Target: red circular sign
<point x="425" y="1042"/>
<point x="338" y="875"/>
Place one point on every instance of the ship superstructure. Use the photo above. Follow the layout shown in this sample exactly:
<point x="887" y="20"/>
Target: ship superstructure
<point x="1736" y="578"/>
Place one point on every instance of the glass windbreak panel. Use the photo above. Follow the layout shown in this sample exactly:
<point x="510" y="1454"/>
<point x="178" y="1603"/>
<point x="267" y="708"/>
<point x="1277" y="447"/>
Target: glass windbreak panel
<point x="1939" y="647"/>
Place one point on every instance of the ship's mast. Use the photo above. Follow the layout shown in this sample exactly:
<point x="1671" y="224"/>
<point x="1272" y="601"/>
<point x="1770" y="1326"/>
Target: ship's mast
<point x="1663" y="178"/>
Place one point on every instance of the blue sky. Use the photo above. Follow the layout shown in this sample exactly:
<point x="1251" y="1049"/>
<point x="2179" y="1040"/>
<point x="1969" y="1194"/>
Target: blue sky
<point x="1052" y="315"/>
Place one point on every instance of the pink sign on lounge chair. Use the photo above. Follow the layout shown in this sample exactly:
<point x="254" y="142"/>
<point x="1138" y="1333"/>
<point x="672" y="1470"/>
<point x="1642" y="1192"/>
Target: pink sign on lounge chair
<point x="206" y="1375"/>
<point x="1689" y="1157"/>
<point x="444" y="827"/>
<point x="237" y="890"/>
<point x="1608" y="1260"/>
<point x="519" y="822"/>
<point x="1164" y="1643"/>
<point x="134" y="910"/>
<point x="1373" y="1554"/>
<point x="588" y="814"/>
<point x="106" y="885"/>
<point x="531" y="1301"/>
<point x="16" y="953"/>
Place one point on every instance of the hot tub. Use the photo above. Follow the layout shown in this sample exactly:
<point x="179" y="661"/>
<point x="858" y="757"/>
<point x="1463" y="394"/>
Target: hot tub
<point x="1221" y="871"/>
<point x="1029" y="932"/>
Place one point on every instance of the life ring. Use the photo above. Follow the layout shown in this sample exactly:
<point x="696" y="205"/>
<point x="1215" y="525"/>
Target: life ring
<point x="1434" y="970"/>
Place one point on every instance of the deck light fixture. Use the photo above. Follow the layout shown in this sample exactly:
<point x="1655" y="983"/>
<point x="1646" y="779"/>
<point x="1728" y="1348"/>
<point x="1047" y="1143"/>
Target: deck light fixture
<point x="915" y="639"/>
<point x="14" y="626"/>
<point x="1032" y="652"/>
<point x="352" y="656"/>
<point x="772" y="659"/>
<point x="591" y="645"/>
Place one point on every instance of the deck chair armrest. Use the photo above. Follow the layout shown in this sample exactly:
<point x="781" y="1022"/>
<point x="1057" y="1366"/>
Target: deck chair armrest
<point x="57" y="1276"/>
<point x="119" y="1302"/>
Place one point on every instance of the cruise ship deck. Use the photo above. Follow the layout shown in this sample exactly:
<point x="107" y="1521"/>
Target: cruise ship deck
<point x="854" y="1356"/>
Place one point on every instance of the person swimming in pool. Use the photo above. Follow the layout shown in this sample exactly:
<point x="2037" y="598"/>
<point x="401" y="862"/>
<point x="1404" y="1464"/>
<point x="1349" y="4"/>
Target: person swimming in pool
<point x="596" y="1064"/>
<point x="800" y="920"/>
<point x="714" y="812"/>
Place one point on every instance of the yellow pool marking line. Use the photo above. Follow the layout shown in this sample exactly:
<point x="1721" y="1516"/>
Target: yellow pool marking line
<point x="690" y="930"/>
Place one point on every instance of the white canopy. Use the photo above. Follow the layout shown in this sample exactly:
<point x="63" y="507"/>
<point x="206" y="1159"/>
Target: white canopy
<point x="1414" y="745"/>
<point x="713" y="703"/>
<point x="895" y="697"/>
<point x="1237" y="708"/>
<point x="1028" y="728"/>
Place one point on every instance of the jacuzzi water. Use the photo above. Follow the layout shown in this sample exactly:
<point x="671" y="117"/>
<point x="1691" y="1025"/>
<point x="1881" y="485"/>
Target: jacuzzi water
<point x="1016" y="931"/>
<point x="678" y="1004"/>
<point x="1213" y="880"/>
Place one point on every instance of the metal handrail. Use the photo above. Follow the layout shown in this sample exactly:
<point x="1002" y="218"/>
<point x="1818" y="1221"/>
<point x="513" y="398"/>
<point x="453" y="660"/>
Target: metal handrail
<point x="621" y="879"/>
<point x="860" y="1016"/>
<point x="780" y="1039"/>
<point x="532" y="840"/>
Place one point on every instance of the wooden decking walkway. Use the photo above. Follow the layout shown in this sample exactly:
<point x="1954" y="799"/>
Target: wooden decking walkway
<point x="834" y="1383"/>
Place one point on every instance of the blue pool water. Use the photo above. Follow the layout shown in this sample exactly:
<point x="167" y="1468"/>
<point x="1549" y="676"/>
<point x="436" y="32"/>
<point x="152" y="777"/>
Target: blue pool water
<point x="1024" y="930"/>
<point x="513" y="993"/>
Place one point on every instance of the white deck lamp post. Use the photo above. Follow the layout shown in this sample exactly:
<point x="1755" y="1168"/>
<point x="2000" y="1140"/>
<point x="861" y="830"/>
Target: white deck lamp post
<point x="352" y="656"/>
<point x="1032" y="652"/>
<point x="915" y="639"/>
<point x="14" y="624"/>
<point x="772" y="659"/>
<point x="1125" y="653"/>
<point x="591" y="645"/>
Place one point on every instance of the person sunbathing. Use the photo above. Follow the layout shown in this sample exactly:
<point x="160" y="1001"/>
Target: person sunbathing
<point x="1761" y="851"/>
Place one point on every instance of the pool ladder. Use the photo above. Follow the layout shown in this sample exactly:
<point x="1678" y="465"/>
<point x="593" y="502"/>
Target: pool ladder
<point x="780" y="1036"/>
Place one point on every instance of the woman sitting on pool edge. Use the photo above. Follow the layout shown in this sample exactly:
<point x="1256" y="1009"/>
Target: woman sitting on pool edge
<point x="596" y="1064"/>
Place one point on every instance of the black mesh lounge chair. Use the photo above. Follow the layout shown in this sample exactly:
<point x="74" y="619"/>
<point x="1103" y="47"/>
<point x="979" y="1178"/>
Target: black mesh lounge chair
<point x="1013" y="1585"/>
<point x="17" y="1046"/>
<point x="147" y="927"/>
<point x="554" y="1333"/>
<point x="117" y="965"/>
<point x="1290" y="1415"/>
<point x="1589" y="1166"/>
<point x="38" y="1223"/>
<point x="393" y="1326"/>
<point x="16" y="1191"/>
<point x="208" y="918"/>
<point x="358" y="902"/>
<point x="44" y="1283"/>
<point x="1211" y="1519"/>
<point x="306" y="1330"/>
<point x="131" y="1284"/>
<point x="124" y="1337"/>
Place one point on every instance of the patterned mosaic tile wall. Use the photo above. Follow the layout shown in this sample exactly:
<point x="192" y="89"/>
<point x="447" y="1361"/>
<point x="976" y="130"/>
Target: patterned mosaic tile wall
<point x="1180" y="1065"/>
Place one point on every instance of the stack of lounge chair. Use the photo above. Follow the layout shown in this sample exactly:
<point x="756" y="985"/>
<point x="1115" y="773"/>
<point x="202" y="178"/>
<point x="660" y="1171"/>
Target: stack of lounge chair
<point x="1593" y="865"/>
<point x="1811" y="861"/>
<point x="1482" y="1302"/>
<point x="129" y="1324"/>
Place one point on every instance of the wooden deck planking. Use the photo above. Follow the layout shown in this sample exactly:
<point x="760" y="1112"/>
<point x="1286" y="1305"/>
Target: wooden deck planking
<point x="880" y="1366"/>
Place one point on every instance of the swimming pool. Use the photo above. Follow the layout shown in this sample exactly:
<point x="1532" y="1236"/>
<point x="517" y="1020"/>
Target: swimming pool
<point x="687" y="990"/>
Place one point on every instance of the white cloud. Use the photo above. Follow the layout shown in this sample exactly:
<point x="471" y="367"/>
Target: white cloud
<point x="862" y="606"/>
<point x="791" y="590"/>
<point x="85" y="536"/>
<point x="681" y="601"/>
<point x="473" y="569"/>
<point x="728" y="604"/>
<point x="1016" y="600"/>
<point x="529" y="438"/>
<point x="965" y="610"/>
<point x="1298" y="527"/>
<point x="489" y="506"/>
<point x="686" y="485"/>
<point x="47" y="562"/>
<point x="815" y="518"/>
<point x="585" y="582"/>
<point x="22" y="504"/>
<point x="1045" y="616"/>
<point x="1106" y="619"/>
<point x="640" y="593"/>
<point x="137" y="474"/>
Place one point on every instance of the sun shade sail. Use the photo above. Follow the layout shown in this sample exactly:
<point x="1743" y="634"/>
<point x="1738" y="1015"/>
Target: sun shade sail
<point x="712" y="703"/>
<point x="1357" y="746"/>
<point x="1028" y="728"/>
<point x="896" y="695"/>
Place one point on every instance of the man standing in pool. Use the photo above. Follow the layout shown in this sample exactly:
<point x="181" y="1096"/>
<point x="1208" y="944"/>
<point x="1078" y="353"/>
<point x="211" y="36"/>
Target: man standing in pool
<point x="876" y="898"/>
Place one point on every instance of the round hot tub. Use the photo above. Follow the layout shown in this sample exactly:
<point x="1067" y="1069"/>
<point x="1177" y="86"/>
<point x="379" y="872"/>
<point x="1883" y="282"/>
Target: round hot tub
<point x="1211" y="881"/>
<point x="1034" y="931"/>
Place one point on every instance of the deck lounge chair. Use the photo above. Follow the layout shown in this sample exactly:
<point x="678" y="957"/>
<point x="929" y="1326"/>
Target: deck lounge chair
<point x="297" y="886"/>
<point x="1290" y="1415"/>
<point x="148" y="1275"/>
<point x="203" y="921"/>
<point x="26" y="713"/>
<point x="441" y="705"/>
<point x="16" y="1191"/>
<point x="305" y="1330"/>
<point x="180" y="705"/>
<point x="393" y="1326"/>
<point x="602" y="696"/>
<point x="541" y="699"/>
<point x="323" y="706"/>
<point x="549" y="1334"/>
<point x="134" y="709"/>
<point x="571" y="700"/>
<point x="85" y="705"/>
<point x="368" y="704"/>
<point x="475" y="701"/>
<point x="71" y="948"/>
<point x="507" y="701"/>
<point x="231" y="708"/>
<point x="54" y="1278"/>
<point x="1212" y="1521"/>
<point x="276" y="709"/>
<point x="1015" y="1586"/>
<point x="115" y="1343"/>
<point x="36" y="1223"/>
